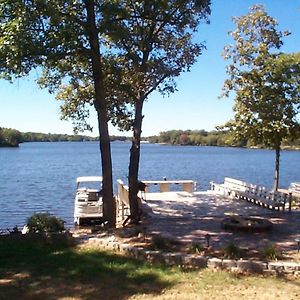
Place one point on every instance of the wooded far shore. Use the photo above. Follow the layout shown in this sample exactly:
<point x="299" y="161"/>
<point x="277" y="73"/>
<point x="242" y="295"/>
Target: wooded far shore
<point x="12" y="138"/>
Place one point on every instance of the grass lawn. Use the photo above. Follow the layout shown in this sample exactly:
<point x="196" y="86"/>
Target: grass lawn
<point x="37" y="269"/>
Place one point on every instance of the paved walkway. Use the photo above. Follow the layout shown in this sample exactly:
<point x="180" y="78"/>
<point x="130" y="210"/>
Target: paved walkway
<point x="189" y="217"/>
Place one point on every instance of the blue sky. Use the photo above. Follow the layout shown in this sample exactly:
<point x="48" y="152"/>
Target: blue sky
<point x="195" y="105"/>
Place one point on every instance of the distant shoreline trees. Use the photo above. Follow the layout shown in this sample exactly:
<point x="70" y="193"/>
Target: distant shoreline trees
<point x="211" y="138"/>
<point x="201" y="137"/>
<point x="12" y="138"/>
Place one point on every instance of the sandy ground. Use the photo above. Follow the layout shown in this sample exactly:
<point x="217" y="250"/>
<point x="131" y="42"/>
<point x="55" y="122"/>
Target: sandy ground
<point x="189" y="217"/>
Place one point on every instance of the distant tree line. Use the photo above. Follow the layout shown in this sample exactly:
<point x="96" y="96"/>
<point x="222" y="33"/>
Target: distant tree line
<point x="194" y="138"/>
<point x="12" y="138"/>
<point x="209" y="138"/>
<point x="49" y="137"/>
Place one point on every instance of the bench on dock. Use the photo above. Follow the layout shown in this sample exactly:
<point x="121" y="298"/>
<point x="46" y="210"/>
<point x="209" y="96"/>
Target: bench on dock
<point x="237" y="189"/>
<point x="270" y="199"/>
<point x="230" y="188"/>
<point x="123" y="198"/>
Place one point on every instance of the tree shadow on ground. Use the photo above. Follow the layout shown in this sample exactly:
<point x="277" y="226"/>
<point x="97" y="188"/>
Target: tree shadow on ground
<point x="37" y="270"/>
<point x="191" y="217"/>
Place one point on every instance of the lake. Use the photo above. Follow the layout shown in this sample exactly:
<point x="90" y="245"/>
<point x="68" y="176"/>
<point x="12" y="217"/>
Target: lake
<point x="40" y="177"/>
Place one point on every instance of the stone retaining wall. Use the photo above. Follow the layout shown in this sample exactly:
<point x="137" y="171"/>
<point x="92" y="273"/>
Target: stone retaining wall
<point x="194" y="260"/>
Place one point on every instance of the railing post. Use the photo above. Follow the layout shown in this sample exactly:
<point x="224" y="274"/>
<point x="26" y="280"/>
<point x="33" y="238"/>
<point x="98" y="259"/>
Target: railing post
<point x="164" y="187"/>
<point x="187" y="187"/>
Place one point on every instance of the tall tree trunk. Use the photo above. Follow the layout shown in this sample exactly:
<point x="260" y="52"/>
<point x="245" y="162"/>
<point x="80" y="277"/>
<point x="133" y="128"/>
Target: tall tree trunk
<point x="277" y="160"/>
<point x="109" y="213"/>
<point x="134" y="163"/>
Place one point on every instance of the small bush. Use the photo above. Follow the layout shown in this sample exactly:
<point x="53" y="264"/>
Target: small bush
<point x="45" y="223"/>
<point x="159" y="242"/>
<point x="232" y="251"/>
<point x="196" y="248"/>
<point x="271" y="252"/>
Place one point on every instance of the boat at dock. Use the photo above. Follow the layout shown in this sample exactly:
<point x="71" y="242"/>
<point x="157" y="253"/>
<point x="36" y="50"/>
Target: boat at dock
<point x="88" y="200"/>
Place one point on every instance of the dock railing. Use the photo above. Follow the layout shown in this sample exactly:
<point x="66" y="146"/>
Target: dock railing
<point x="166" y="185"/>
<point x="260" y="195"/>
<point x="123" y="198"/>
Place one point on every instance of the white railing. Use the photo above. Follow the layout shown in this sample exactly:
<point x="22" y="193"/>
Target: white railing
<point x="166" y="185"/>
<point x="123" y="197"/>
<point x="259" y="195"/>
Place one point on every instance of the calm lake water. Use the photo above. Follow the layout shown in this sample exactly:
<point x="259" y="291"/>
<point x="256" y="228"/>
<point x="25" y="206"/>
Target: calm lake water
<point x="40" y="177"/>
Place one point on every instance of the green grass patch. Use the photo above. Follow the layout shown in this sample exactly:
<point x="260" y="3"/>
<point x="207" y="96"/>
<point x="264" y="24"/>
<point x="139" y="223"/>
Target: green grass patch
<point x="36" y="268"/>
<point x="40" y="265"/>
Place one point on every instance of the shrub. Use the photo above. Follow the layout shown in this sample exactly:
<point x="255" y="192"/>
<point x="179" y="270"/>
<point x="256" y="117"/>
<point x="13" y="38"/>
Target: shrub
<point x="159" y="242"/>
<point x="196" y="248"/>
<point x="271" y="252"/>
<point x="232" y="251"/>
<point x="45" y="223"/>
